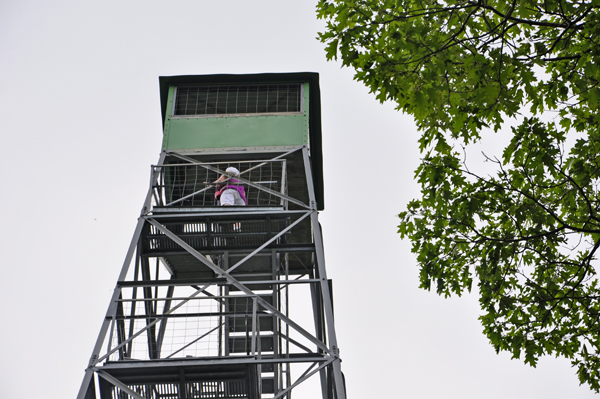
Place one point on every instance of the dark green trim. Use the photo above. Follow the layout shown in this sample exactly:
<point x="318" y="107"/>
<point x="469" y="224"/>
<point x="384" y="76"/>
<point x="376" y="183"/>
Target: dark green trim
<point x="262" y="78"/>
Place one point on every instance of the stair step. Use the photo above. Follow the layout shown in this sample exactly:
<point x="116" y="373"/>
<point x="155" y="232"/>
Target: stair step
<point x="243" y="344"/>
<point x="241" y="324"/>
<point x="268" y="385"/>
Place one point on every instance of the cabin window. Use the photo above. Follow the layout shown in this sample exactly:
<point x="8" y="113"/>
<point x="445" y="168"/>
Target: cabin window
<point x="228" y="100"/>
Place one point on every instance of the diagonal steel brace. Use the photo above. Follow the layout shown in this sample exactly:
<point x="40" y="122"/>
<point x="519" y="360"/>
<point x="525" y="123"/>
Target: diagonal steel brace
<point x="119" y="384"/>
<point x="222" y="273"/>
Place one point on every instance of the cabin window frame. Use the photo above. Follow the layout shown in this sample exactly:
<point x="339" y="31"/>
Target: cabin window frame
<point x="238" y="114"/>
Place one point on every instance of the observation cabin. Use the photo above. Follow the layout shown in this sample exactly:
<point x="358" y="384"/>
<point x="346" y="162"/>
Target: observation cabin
<point x="212" y="300"/>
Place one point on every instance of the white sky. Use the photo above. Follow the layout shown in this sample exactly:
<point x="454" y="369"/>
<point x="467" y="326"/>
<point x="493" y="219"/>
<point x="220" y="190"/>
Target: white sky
<point x="81" y="126"/>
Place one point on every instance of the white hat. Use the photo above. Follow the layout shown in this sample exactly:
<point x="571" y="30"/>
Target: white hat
<point x="232" y="171"/>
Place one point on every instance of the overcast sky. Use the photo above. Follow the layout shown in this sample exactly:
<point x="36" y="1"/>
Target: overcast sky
<point x="81" y="126"/>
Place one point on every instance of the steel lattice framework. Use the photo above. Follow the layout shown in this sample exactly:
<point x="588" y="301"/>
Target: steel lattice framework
<point x="206" y="302"/>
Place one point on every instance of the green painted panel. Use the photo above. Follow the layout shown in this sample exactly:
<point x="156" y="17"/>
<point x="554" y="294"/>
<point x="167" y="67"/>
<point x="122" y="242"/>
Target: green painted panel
<point x="241" y="131"/>
<point x="236" y="131"/>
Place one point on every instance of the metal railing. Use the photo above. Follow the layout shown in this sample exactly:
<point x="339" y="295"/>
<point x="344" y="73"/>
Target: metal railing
<point x="181" y="185"/>
<point x="221" y="234"/>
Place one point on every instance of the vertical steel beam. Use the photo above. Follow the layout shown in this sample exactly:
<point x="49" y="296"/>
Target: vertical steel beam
<point x="325" y="292"/>
<point x="163" y="324"/>
<point x="133" y="307"/>
<point x="149" y="306"/>
<point x="276" y="299"/>
<point x="228" y="320"/>
<point x="254" y="323"/>
<point x="284" y="183"/>
<point x="112" y="307"/>
<point x="120" y="328"/>
<point x="319" y="328"/>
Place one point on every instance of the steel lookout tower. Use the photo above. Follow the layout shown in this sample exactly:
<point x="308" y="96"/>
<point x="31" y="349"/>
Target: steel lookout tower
<point x="220" y="299"/>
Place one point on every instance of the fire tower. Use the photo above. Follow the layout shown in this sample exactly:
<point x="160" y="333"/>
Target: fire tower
<point x="226" y="301"/>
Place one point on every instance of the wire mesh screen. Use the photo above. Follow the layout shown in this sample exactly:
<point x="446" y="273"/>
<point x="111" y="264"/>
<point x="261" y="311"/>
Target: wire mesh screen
<point x="227" y="100"/>
<point x="194" y="328"/>
<point x="191" y="185"/>
<point x="165" y="327"/>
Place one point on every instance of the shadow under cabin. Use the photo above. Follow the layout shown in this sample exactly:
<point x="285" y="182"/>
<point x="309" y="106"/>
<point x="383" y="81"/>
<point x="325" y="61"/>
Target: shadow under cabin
<point x="226" y="301"/>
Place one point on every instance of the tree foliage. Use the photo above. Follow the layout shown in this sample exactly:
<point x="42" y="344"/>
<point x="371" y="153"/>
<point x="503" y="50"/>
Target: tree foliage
<point x="529" y="232"/>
